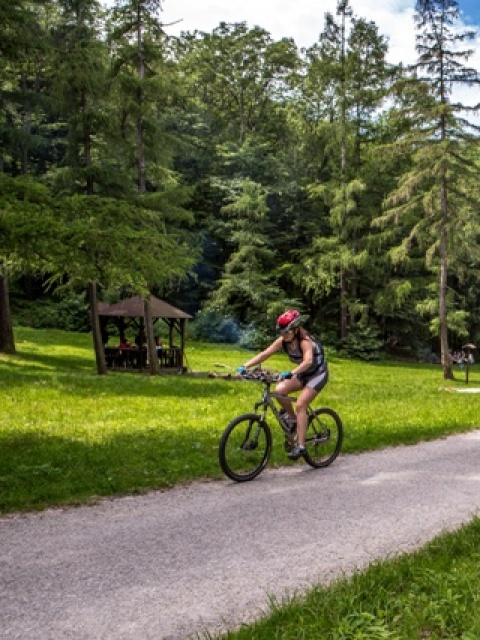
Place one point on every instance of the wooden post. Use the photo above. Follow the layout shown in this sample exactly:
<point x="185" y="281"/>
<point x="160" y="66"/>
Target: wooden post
<point x="96" y="333"/>
<point x="151" y="346"/>
<point x="182" y="341"/>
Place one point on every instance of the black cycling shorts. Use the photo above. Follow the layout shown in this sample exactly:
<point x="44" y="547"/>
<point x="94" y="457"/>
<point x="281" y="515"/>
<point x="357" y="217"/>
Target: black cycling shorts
<point x="316" y="380"/>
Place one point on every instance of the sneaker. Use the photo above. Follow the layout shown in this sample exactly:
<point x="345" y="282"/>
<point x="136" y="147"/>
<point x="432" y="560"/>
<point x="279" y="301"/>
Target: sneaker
<point x="297" y="452"/>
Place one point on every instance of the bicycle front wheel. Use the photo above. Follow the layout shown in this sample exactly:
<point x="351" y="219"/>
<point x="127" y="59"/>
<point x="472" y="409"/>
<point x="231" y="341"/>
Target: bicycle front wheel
<point x="245" y="447"/>
<point x="324" y="437"/>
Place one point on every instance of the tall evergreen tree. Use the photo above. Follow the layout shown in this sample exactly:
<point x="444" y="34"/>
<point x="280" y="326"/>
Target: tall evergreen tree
<point x="20" y="41"/>
<point x="238" y="80"/>
<point x="347" y="81"/>
<point x="137" y="42"/>
<point x="436" y="200"/>
<point x="145" y="85"/>
<point x="248" y="287"/>
<point x="78" y="88"/>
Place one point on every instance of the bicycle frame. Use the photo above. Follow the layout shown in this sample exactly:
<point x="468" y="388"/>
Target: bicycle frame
<point x="267" y="402"/>
<point x="246" y="443"/>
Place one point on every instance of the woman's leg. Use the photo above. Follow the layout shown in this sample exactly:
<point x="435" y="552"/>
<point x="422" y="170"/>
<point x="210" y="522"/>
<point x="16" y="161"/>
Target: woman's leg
<point x="284" y="388"/>
<point x="303" y="401"/>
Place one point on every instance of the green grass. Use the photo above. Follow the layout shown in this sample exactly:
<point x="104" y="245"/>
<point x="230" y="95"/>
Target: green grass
<point x="431" y="594"/>
<point x="69" y="436"/>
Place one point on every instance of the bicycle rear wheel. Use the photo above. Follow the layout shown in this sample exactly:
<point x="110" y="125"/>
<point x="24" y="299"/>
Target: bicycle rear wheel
<point x="324" y="437"/>
<point x="245" y="447"/>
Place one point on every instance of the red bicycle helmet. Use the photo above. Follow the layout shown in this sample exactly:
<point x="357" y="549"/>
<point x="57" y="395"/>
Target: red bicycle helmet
<point x="288" y="320"/>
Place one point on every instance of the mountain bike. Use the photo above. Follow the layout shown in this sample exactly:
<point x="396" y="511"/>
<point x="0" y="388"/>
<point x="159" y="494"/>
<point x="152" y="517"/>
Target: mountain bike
<point x="246" y="443"/>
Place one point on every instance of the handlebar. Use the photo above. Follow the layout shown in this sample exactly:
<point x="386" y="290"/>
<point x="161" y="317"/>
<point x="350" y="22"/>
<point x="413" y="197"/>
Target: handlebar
<point x="260" y="375"/>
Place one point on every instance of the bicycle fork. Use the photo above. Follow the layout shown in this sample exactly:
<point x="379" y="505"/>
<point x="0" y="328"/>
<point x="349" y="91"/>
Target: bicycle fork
<point x="250" y="442"/>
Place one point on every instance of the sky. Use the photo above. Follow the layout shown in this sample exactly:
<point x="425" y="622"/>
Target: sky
<point x="303" y="20"/>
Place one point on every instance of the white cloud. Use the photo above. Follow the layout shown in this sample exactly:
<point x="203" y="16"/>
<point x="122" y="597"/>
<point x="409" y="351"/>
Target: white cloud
<point x="302" y="20"/>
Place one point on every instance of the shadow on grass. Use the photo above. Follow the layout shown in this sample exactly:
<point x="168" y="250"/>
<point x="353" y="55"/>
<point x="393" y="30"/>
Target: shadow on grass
<point x="52" y="337"/>
<point x="60" y="362"/>
<point x="459" y="375"/>
<point x="39" y="470"/>
<point x="80" y="382"/>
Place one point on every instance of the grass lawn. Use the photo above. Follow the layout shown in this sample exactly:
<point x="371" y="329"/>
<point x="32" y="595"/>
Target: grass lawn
<point x="69" y="436"/>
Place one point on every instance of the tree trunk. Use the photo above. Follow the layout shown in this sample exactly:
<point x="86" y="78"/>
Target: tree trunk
<point x="343" y="305"/>
<point x="27" y="117"/>
<point x="343" y="9"/>
<point x="96" y="331"/>
<point x="151" y="346"/>
<point x="7" y="340"/>
<point x="442" y="306"/>
<point x="141" y="74"/>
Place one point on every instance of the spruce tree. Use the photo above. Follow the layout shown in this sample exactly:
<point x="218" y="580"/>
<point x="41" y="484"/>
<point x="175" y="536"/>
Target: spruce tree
<point x="435" y="200"/>
<point x="348" y="76"/>
<point x="21" y="38"/>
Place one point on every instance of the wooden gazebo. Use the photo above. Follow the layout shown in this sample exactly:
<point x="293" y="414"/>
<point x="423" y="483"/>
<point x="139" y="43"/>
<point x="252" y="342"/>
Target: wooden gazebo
<point x="131" y="311"/>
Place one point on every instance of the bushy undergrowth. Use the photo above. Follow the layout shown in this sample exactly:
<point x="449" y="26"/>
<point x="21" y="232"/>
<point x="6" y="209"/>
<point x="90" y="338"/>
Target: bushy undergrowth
<point x="210" y="326"/>
<point x="363" y="343"/>
<point x="70" y="313"/>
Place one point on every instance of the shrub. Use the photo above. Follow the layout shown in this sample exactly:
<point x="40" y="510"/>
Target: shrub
<point x="363" y="342"/>
<point x="255" y="338"/>
<point x="68" y="314"/>
<point x="212" y="326"/>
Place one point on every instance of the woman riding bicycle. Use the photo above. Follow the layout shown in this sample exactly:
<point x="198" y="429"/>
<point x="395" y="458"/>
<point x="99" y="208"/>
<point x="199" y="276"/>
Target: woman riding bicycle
<point x="309" y="375"/>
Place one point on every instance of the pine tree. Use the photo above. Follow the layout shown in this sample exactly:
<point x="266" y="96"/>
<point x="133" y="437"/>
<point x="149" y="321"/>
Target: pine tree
<point x="435" y="200"/>
<point x="348" y="76"/>
<point x="20" y="41"/>
<point x="248" y="286"/>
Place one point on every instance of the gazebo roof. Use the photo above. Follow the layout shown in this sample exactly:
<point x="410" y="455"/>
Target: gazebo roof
<point x="134" y="308"/>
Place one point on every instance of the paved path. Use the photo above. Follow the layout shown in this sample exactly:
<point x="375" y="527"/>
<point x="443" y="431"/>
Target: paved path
<point x="170" y="564"/>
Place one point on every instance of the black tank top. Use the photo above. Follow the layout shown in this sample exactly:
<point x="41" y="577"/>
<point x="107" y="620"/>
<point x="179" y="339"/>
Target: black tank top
<point x="297" y="355"/>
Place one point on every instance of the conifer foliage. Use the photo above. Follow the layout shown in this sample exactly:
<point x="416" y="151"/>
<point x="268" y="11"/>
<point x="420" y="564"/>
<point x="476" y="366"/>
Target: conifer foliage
<point x="435" y="199"/>
<point x="237" y="175"/>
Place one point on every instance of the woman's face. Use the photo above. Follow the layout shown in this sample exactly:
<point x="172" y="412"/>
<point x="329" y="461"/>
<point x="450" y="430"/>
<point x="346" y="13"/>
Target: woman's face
<point x="289" y="336"/>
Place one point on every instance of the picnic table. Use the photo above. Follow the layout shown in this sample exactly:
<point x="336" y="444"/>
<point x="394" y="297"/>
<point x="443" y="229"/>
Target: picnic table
<point x="136" y="358"/>
<point x="125" y="357"/>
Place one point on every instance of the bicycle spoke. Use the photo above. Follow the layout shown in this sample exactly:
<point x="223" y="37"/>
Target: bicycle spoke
<point x="324" y="437"/>
<point x="246" y="443"/>
<point x="245" y="448"/>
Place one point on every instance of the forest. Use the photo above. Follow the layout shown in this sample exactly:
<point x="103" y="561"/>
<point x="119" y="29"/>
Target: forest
<point x="237" y="176"/>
